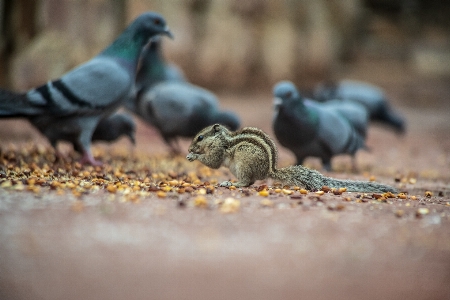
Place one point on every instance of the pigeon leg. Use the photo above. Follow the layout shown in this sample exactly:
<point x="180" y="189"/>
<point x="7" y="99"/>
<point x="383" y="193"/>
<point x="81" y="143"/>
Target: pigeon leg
<point x="59" y="156"/>
<point x="84" y="143"/>
<point x="88" y="158"/>
<point x="173" y="145"/>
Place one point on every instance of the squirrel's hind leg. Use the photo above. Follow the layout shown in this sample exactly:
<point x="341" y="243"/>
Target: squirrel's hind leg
<point x="243" y="174"/>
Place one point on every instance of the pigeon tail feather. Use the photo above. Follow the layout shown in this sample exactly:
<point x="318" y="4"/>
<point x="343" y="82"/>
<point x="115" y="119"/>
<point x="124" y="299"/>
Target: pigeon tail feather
<point x="14" y="104"/>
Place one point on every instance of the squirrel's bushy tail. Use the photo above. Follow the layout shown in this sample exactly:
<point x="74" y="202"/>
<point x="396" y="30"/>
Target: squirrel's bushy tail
<point x="313" y="180"/>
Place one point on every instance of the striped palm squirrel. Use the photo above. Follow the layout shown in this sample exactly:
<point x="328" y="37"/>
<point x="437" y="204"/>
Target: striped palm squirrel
<point x="251" y="155"/>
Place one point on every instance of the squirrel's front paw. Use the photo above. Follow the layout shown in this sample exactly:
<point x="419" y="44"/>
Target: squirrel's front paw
<point x="191" y="156"/>
<point x="226" y="184"/>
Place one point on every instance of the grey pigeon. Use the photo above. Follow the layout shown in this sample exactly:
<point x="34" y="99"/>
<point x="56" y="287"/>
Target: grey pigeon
<point x="75" y="103"/>
<point x="115" y="126"/>
<point x="354" y="112"/>
<point x="168" y="102"/>
<point x="310" y="128"/>
<point x="108" y="129"/>
<point x="154" y="67"/>
<point x="371" y="96"/>
<point x="180" y="109"/>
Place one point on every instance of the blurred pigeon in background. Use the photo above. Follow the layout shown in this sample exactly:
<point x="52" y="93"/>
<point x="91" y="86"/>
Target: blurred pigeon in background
<point x="154" y="67"/>
<point x="165" y="100"/>
<point x="115" y="126"/>
<point x="108" y="129"/>
<point x="371" y="96"/>
<point x="180" y="109"/>
<point x="309" y="128"/>
<point x="355" y="113"/>
<point x="75" y="103"/>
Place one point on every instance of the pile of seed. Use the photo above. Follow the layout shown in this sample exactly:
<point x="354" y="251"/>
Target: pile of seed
<point x="37" y="169"/>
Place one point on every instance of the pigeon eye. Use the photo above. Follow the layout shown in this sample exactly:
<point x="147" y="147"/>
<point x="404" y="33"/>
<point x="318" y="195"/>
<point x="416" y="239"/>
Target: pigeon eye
<point x="157" y="22"/>
<point x="289" y="94"/>
<point x="200" y="138"/>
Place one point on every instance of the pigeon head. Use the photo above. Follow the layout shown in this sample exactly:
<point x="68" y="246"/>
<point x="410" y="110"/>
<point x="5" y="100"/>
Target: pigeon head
<point x="127" y="126"/>
<point x="130" y="43"/>
<point x="150" y="24"/>
<point x="284" y="91"/>
<point x="325" y="91"/>
<point x="115" y="126"/>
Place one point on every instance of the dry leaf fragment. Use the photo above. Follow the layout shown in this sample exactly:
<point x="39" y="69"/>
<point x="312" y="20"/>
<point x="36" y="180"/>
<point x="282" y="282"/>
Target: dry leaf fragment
<point x="399" y="213"/>
<point x="111" y="188"/>
<point x="261" y="188"/>
<point x="266" y="203"/>
<point x="263" y="193"/>
<point x="201" y="201"/>
<point x="287" y="192"/>
<point x="325" y="189"/>
<point x="78" y="206"/>
<point x="230" y="205"/>
<point x="401" y="196"/>
<point x="161" y="194"/>
<point x="422" y="211"/>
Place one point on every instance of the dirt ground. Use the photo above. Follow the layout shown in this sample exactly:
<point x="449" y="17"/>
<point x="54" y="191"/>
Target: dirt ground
<point x="104" y="245"/>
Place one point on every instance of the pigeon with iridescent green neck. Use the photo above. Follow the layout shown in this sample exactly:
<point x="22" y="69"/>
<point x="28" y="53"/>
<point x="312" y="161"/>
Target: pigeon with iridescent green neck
<point x="76" y="102"/>
<point x="155" y="68"/>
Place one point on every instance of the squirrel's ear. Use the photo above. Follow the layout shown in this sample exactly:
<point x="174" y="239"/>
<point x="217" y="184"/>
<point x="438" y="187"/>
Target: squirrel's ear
<point x="216" y="127"/>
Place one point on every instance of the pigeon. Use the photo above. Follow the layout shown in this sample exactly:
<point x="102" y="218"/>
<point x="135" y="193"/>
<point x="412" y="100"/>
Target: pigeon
<point x="76" y="102"/>
<point x="165" y="100"/>
<point x="309" y="128"/>
<point x="154" y="68"/>
<point x="113" y="127"/>
<point x="108" y="129"/>
<point x="355" y="113"/>
<point x="371" y="96"/>
<point x="180" y="109"/>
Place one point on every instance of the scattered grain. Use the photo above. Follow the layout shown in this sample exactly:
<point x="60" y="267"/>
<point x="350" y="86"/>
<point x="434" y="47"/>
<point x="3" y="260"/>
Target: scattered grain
<point x="263" y="193"/>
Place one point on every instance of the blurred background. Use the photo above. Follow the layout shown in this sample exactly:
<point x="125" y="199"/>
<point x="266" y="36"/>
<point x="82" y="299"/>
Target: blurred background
<point x="241" y="46"/>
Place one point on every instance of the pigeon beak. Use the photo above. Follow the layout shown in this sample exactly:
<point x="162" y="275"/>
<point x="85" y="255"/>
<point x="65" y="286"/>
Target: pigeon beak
<point x="168" y="32"/>
<point x="277" y="101"/>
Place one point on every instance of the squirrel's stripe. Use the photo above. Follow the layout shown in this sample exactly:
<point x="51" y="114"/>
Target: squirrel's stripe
<point x="257" y="141"/>
<point x="273" y="153"/>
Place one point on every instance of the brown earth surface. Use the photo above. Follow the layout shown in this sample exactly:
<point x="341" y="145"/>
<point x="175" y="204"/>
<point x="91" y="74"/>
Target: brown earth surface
<point x="72" y="242"/>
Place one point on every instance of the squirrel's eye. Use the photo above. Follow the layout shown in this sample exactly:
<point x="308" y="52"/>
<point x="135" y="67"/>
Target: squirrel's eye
<point x="200" y="138"/>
